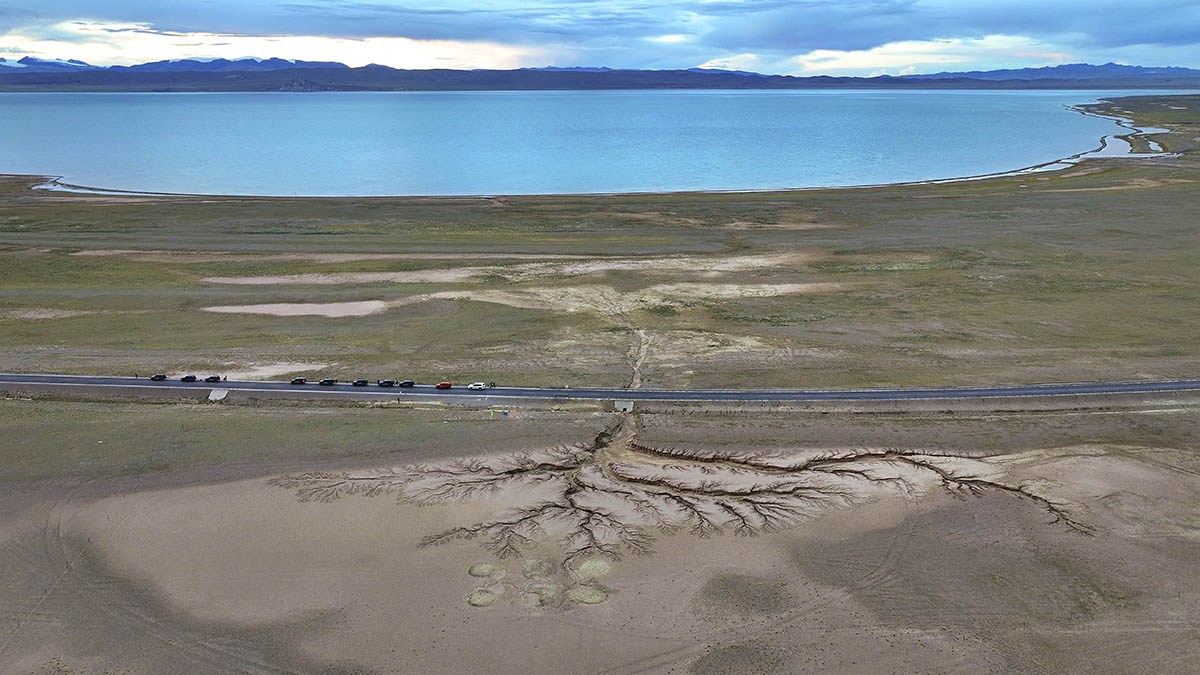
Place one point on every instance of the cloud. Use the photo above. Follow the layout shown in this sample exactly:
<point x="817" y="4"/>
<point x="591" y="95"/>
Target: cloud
<point x="862" y="24"/>
<point x="669" y="33"/>
<point x="909" y="55"/>
<point x="122" y="44"/>
<point x="735" y="62"/>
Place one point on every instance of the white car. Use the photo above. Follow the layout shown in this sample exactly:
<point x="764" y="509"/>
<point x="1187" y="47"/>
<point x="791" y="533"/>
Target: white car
<point x="477" y="386"/>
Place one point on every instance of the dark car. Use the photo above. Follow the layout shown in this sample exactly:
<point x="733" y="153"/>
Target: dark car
<point x="406" y="383"/>
<point x="299" y="380"/>
<point x="188" y="378"/>
<point x="158" y="377"/>
<point x="327" y="382"/>
<point x="361" y="382"/>
<point x="213" y="378"/>
<point x="387" y="383"/>
<point x="443" y="385"/>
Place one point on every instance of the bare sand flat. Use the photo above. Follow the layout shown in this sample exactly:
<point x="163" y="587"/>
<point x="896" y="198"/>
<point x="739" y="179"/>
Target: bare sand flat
<point x="168" y="256"/>
<point x="327" y="309"/>
<point x="1076" y="558"/>
<point x="411" y="277"/>
<point x="704" y="265"/>
<point x="591" y="298"/>
<point x="37" y="314"/>
<point x="264" y="371"/>
<point x="604" y="299"/>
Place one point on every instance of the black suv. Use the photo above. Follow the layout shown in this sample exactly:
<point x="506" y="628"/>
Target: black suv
<point x="387" y="383"/>
<point x="327" y="382"/>
<point x="406" y="383"/>
<point x="299" y="380"/>
<point x="213" y="378"/>
<point x="158" y="377"/>
<point x="188" y="378"/>
<point x="361" y="382"/>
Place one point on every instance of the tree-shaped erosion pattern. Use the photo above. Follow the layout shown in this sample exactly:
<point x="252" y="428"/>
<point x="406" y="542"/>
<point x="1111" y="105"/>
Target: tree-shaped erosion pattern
<point x="614" y="495"/>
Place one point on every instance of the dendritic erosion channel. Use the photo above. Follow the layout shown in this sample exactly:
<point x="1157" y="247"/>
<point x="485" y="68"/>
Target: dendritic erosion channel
<point x="595" y="502"/>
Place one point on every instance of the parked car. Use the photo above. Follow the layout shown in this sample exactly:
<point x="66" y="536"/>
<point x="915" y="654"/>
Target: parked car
<point x="477" y="386"/>
<point x="188" y="378"/>
<point x="387" y="383"/>
<point x="406" y="383"/>
<point x="213" y="378"/>
<point x="443" y="385"/>
<point x="361" y="382"/>
<point x="327" y="382"/>
<point x="299" y="380"/>
<point x="158" y="377"/>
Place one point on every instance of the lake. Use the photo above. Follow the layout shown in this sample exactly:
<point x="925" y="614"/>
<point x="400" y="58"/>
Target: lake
<point x="446" y="143"/>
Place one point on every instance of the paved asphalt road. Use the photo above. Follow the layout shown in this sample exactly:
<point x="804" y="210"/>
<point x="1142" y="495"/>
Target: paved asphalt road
<point x="344" y="388"/>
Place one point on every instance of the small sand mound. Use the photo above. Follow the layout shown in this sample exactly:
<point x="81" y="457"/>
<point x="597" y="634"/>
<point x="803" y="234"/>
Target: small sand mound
<point x="483" y="569"/>
<point x="482" y="598"/>
<point x="329" y="309"/>
<point x="587" y="595"/>
<point x="592" y="568"/>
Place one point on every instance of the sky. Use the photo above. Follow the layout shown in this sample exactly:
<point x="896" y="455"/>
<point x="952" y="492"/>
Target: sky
<point x="800" y="37"/>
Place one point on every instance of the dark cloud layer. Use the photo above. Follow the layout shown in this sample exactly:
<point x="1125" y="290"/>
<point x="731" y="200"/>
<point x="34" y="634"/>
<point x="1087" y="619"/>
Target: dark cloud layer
<point x="620" y="30"/>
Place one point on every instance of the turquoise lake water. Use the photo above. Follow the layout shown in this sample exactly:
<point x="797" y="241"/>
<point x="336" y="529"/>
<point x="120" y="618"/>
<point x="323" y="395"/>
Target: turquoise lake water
<point x="444" y="143"/>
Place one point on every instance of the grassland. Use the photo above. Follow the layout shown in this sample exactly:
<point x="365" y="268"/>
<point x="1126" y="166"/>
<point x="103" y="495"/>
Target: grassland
<point x="1081" y="273"/>
<point x="89" y="441"/>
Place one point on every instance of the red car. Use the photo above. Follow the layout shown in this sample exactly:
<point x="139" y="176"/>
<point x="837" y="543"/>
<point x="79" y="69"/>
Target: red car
<point x="443" y="385"/>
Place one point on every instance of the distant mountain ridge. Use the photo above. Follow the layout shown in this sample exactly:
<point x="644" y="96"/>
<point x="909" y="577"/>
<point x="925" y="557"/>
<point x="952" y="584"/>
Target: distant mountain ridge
<point x="253" y="74"/>
<point x="30" y="64"/>
<point x="227" y="66"/>
<point x="1070" y="71"/>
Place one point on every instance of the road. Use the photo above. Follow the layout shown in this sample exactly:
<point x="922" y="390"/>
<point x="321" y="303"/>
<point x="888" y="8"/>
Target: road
<point x="69" y="382"/>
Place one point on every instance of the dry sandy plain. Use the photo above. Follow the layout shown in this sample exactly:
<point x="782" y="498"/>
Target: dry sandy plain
<point x="1017" y="542"/>
<point x="165" y="537"/>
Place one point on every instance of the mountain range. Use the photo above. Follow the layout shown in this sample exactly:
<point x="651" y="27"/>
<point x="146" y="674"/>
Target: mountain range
<point x="252" y="74"/>
<point x="30" y="64"/>
<point x="1071" y="71"/>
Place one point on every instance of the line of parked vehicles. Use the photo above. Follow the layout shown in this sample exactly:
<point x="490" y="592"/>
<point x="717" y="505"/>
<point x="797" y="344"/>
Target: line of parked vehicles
<point x="329" y="382"/>
<point x="159" y="377"/>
